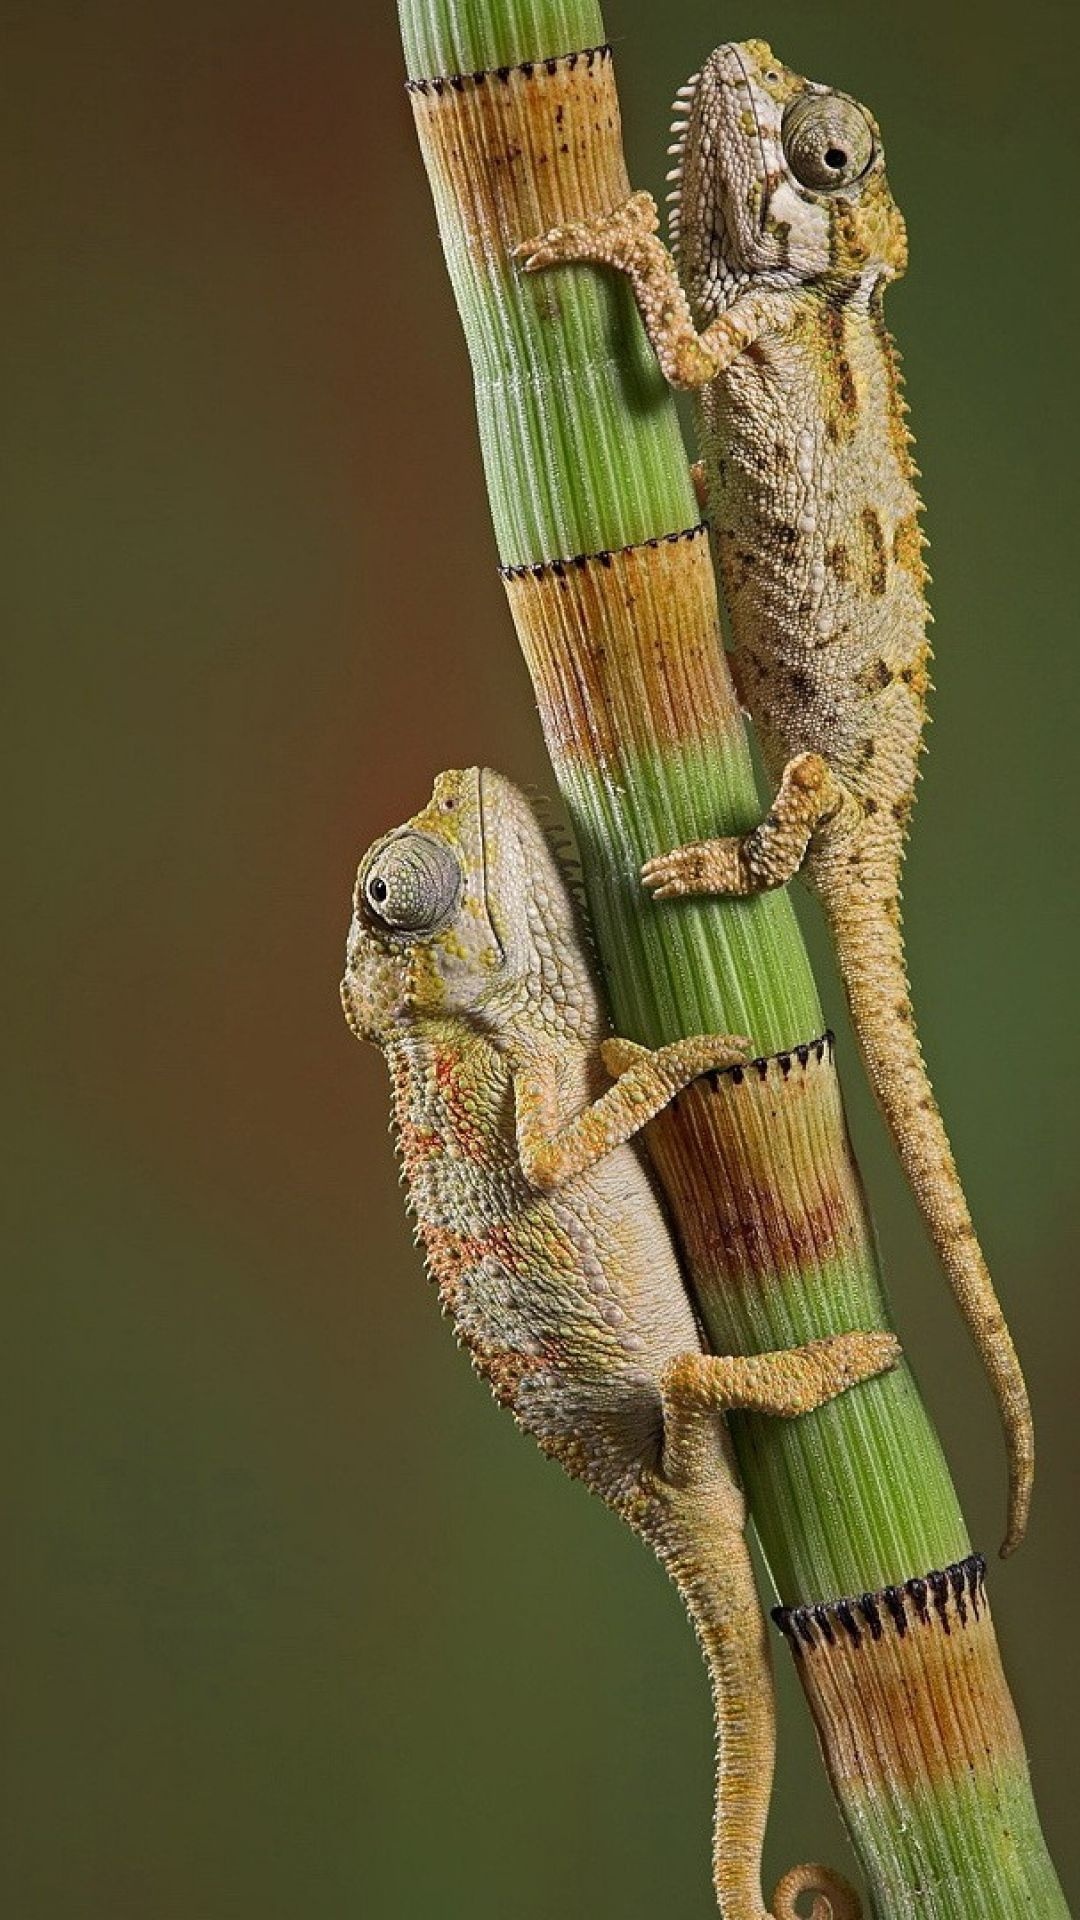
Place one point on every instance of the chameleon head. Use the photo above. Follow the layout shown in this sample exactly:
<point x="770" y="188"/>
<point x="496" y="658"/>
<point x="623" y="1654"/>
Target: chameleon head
<point x="460" y="910"/>
<point x="778" y="181"/>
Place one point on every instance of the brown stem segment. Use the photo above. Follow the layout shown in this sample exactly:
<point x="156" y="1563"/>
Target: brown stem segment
<point x="624" y="647"/>
<point x="539" y="125"/>
<point x="907" y="1689"/>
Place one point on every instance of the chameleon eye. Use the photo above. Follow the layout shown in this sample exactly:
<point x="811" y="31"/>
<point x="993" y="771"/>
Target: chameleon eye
<point x="828" y="141"/>
<point x="412" y="883"/>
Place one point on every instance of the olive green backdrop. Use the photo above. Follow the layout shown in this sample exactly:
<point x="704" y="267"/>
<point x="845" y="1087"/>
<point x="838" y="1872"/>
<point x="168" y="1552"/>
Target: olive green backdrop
<point x="297" y="1627"/>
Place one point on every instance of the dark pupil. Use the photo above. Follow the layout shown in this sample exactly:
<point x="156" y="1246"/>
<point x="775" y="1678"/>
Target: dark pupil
<point x="836" y="157"/>
<point x="378" y="890"/>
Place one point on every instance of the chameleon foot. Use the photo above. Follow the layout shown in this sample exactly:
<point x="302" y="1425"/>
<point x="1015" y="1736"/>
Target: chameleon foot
<point x="809" y="795"/>
<point x="703" y="866"/>
<point x="555" y="1150"/>
<point x="675" y="1065"/>
<point x="841" y="1902"/>
<point x="626" y="240"/>
<point x="794" y="1381"/>
<point x="607" y="239"/>
<point x="695" y="1387"/>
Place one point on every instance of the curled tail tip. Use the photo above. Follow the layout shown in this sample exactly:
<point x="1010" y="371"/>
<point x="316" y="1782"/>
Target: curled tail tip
<point x="834" y="1897"/>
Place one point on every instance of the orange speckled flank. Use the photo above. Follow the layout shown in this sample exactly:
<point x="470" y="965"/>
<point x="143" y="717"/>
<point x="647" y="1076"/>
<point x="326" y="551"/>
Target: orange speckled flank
<point x="624" y="650"/>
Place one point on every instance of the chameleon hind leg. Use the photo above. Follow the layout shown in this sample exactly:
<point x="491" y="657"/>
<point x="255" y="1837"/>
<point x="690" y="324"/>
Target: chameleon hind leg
<point x="809" y="799"/>
<point x="697" y="1386"/>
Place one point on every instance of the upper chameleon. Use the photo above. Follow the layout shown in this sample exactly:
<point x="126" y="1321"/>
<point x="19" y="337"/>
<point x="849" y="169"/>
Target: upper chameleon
<point x="786" y="236"/>
<point x="552" y="1256"/>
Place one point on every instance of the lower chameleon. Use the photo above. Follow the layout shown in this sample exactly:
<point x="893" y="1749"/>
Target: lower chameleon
<point x="552" y="1258"/>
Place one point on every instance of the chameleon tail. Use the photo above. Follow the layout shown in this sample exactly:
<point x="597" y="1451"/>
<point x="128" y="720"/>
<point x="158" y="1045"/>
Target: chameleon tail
<point x="870" y="951"/>
<point x="707" y="1557"/>
<point x="716" y="1581"/>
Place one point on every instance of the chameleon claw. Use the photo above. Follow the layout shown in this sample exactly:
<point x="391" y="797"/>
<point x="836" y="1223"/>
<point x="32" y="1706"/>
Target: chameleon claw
<point x="661" y="877"/>
<point x="640" y="211"/>
<point x="536" y="253"/>
<point x="555" y="247"/>
<point x="664" y="886"/>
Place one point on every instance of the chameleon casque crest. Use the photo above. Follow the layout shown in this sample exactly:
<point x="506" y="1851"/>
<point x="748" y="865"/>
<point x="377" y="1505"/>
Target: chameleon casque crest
<point x="551" y="1254"/>
<point x="786" y="235"/>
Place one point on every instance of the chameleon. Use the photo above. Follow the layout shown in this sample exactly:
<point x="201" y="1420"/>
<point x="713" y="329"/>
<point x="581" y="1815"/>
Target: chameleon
<point x="543" y="1231"/>
<point x="786" y="235"/>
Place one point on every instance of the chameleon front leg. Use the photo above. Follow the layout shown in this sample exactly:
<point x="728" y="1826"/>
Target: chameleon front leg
<point x="553" y="1151"/>
<point x="810" y="800"/>
<point x="626" y="239"/>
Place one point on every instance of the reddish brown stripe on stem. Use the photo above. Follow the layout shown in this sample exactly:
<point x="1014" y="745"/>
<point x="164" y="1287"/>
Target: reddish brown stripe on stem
<point x="906" y="1684"/>
<point x="528" y="148"/>
<point x="759" y="1170"/>
<point x="624" y="650"/>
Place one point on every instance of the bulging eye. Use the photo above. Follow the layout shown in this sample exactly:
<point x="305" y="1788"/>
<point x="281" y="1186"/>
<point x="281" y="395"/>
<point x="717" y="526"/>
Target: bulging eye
<point x="412" y="884"/>
<point x="828" y="141"/>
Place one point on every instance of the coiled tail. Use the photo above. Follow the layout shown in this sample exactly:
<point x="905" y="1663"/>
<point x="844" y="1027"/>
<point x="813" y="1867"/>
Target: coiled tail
<point x="835" y="1897"/>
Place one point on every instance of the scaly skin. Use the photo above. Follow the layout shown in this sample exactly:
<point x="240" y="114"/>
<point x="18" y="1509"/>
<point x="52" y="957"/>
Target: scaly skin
<point x="551" y="1255"/>
<point x="786" y="235"/>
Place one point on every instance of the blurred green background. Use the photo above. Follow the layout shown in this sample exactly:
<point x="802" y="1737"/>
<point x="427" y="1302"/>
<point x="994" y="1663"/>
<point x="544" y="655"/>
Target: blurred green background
<point x="296" y="1625"/>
